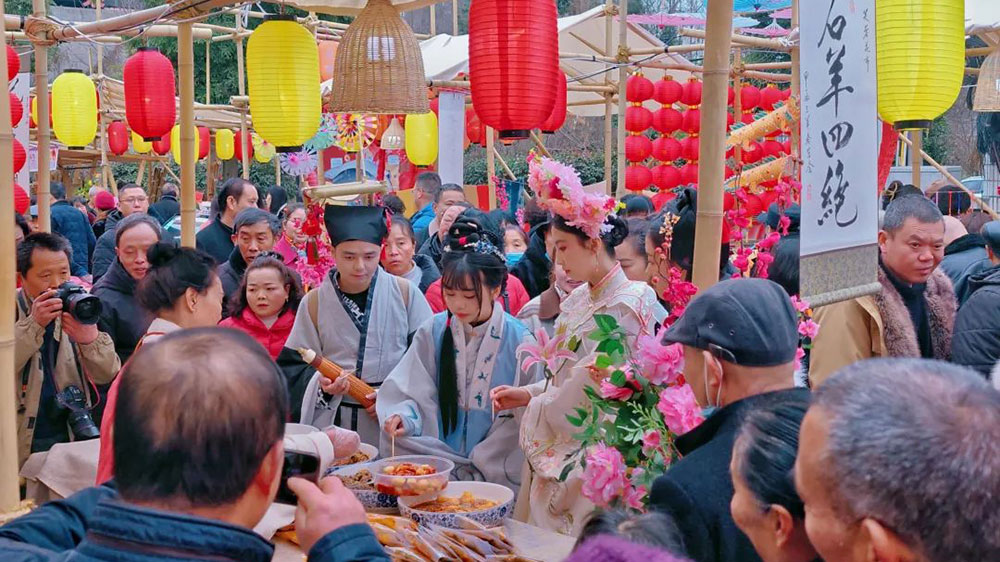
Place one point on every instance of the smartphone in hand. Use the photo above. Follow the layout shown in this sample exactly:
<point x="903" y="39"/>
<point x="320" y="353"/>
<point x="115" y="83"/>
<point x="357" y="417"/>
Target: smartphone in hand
<point x="300" y="465"/>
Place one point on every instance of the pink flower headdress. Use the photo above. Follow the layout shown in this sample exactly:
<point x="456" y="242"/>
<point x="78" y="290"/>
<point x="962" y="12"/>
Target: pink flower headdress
<point x="559" y="190"/>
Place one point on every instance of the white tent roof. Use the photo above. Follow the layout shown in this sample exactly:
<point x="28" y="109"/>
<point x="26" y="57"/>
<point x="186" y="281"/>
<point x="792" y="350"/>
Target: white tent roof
<point x="353" y="7"/>
<point x="982" y="16"/>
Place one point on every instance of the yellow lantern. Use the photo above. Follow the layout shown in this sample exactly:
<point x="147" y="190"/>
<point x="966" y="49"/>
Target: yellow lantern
<point x="283" y="76"/>
<point x="422" y="138"/>
<point x="175" y="143"/>
<point x="74" y="109"/>
<point x="225" y="147"/>
<point x="920" y="46"/>
<point x="139" y="145"/>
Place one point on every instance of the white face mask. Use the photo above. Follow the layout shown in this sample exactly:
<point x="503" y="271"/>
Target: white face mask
<point x="711" y="408"/>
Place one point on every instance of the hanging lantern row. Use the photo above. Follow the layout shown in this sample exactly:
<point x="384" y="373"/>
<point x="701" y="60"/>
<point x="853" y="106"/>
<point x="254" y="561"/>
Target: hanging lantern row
<point x="150" y="93"/>
<point x="74" y="109"/>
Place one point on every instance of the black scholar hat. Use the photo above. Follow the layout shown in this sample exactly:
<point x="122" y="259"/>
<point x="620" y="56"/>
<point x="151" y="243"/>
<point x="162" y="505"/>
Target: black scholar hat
<point x="749" y="322"/>
<point x="346" y="222"/>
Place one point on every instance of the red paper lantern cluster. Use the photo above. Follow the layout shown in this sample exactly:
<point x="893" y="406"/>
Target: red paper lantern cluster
<point x="637" y="178"/>
<point x="117" y="138"/>
<point x="692" y="121"/>
<point x="691" y="95"/>
<point x="637" y="119"/>
<point x="666" y="120"/>
<point x="161" y="145"/>
<point x="666" y="177"/>
<point x="749" y="97"/>
<point x="638" y="88"/>
<point x="513" y="63"/>
<point x="238" y="141"/>
<point x="204" y="141"/>
<point x="667" y="91"/>
<point x="13" y="63"/>
<point x="769" y="96"/>
<point x="150" y="94"/>
<point x="20" y="156"/>
<point x="666" y="149"/>
<point x="558" y="115"/>
<point x="637" y="148"/>
<point x="16" y="110"/>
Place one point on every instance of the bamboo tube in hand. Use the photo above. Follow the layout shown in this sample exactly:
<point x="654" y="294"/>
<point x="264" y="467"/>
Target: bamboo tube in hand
<point x="358" y="389"/>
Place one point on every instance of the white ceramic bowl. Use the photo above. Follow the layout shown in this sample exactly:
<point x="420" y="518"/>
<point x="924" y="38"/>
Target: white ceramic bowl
<point x="490" y="517"/>
<point x="373" y="500"/>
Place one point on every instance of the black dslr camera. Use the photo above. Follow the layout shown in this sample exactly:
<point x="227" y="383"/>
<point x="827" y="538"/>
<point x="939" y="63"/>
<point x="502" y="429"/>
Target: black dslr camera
<point x="83" y="306"/>
<point x="80" y="422"/>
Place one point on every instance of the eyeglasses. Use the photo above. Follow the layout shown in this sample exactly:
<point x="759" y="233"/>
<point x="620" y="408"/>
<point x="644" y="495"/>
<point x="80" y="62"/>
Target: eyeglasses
<point x="134" y="200"/>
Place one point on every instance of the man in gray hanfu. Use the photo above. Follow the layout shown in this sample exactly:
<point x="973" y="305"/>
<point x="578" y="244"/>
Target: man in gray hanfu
<point x="361" y="318"/>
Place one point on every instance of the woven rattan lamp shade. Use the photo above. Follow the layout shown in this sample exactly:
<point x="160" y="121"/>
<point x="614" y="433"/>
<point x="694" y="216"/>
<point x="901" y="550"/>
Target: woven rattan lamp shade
<point x="379" y="68"/>
<point x="988" y="87"/>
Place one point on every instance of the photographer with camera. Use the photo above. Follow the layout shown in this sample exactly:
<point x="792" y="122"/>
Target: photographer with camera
<point x="59" y="352"/>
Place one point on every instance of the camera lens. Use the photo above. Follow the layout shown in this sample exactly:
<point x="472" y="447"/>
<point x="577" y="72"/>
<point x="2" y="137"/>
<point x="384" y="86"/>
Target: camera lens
<point x="85" y="308"/>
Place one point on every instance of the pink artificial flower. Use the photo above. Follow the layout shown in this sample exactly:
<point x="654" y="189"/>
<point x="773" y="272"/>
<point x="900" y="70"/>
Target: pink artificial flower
<point x="548" y="351"/>
<point x="741" y="262"/>
<point x="799" y="304"/>
<point x="634" y="497"/>
<point x="800" y="354"/>
<point x="604" y="477"/>
<point x="808" y="328"/>
<point x="680" y="409"/>
<point x="650" y="441"/>
<point x="661" y="364"/>
<point x="612" y="392"/>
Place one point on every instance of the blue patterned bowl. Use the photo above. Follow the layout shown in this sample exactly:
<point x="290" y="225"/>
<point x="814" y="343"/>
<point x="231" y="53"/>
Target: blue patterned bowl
<point x="374" y="501"/>
<point x="490" y="517"/>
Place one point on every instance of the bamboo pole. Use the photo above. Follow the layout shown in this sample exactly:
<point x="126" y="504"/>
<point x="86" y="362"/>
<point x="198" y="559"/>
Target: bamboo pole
<point x="102" y="138"/>
<point x="42" y="133"/>
<point x="580" y="103"/>
<point x="767" y="76"/>
<point x="708" y="229"/>
<point x="277" y="171"/>
<point x="541" y="145"/>
<point x="491" y="167"/>
<point x="503" y="164"/>
<point x="589" y="57"/>
<point x="454" y="18"/>
<point x="142" y="171"/>
<point x="110" y="25"/>
<point x="979" y="51"/>
<point x="796" y="130"/>
<point x="208" y="74"/>
<point x="916" y="146"/>
<point x="622" y="80"/>
<point x="189" y="155"/>
<point x="951" y="178"/>
<point x="433" y="20"/>
<point x="10" y="493"/>
<point x="609" y="9"/>
<point x="241" y="88"/>
<point x="783" y="65"/>
<point x="746" y="41"/>
<point x="737" y="103"/>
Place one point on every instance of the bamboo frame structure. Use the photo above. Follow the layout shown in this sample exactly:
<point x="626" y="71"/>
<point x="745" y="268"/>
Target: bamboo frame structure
<point x="916" y="163"/>
<point x="609" y="9"/>
<point x="187" y="133"/>
<point x="241" y="88"/>
<point x="948" y="175"/>
<point x="622" y="101"/>
<point x="42" y="127"/>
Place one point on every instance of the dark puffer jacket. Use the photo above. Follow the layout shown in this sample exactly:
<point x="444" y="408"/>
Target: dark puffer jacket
<point x="74" y="226"/>
<point x="534" y="268"/>
<point x="963" y="258"/>
<point x="231" y="275"/>
<point x="122" y="317"/>
<point x="976" y="339"/>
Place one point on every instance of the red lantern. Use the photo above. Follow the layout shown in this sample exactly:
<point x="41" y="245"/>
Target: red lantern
<point x="637" y="148"/>
<point x="730" y="96"/>
<point x="117" y="137"/>
<point x="204" y="141"/>
<point x="558" y="115"/>
<point x="13" y="63"/>
<point x="772" y="148"/>
<point x="161" y="145"/>
<point x="753" y="205"/>
<point x="785" y="94"/>
<point x="770" y="196"/>
<point x="728" y="173"/>
<point x="752" y="154"/>
<point x="692" y="121"/>
<point x="513" y="63"/>
<point x="747" y="118"/>
<point x="666" y="149"/>
<point x="638" y="88"/>
<point x="786" y="146"/>
<point x="666" y="177"/>
<point x="667" y="91"/>
<point x="749" y="97"/>
<point x="474" y="127"/>
<point x="667" y="120"/>
<point x="728" y="201"/>
<point x="149" y="93"/>
<point x="692" y="92"/>
<point x="238" y="146"/>
<point x="637" y="178"/>
<point x="689" y="174"/>
<point x="16" y="110"/>
<point x="20" y="156"/>
<point x="637" y="118"/>
<point x="691" y="149"/>
<point x="769" y="96"/>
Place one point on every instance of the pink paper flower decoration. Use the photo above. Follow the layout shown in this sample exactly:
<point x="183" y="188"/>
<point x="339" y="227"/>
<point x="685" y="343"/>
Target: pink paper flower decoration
<point x="680" y="409"/>
<point x="548" y="351"/>
<point x="661" y="364"/>
<point x="604" y="477"/>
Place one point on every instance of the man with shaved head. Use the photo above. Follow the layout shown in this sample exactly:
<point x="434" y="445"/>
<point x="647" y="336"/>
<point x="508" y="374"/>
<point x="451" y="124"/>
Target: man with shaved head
<point x="198" y="454"/>
<point x="902" y="471"/>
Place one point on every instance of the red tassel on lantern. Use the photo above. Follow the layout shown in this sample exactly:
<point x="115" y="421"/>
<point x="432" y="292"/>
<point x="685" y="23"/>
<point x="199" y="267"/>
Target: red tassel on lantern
<point x="637" y="178"/>
<point x="13" y="63"/>
<point x="238" y="146"/>
<point x="161" y="145"/>
<point x="691" y="149"/>
<point x="667" y="91"/>
<point x="117" y="138"/>
<point x="638" y="88"/>
<point x="149" y="93"/>
<point x="666" y="149"/>
<point x="769" y="96"/>
<point x="667" y="120"/>
<point x="637" y="148"/>
<point x="692" y="92"/>
<point x="16" y="110"/>
<point x="20" y="156"/>
<point x="749" y="97"/>
<point x="204" y="141"/>
<point x="692" y="121"/>
<point x="689" y="174"/>
<point x="637" y="119"/>
<point x="666" y="177"/>
<point x="513" y="63"/>
<point x="558" y="115"/>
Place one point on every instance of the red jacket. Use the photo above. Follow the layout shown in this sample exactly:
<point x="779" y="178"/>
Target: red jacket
<point x="516" y="295"/>
<point x="273" y="338"/>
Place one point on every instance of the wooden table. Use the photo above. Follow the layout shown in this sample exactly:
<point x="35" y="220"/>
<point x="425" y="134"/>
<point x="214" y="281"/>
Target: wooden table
<point x="530" y="541"/>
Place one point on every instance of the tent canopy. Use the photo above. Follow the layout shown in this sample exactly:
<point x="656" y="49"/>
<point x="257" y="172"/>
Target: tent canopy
<point x="353" y="7"/>
<point x="982" y="16"/>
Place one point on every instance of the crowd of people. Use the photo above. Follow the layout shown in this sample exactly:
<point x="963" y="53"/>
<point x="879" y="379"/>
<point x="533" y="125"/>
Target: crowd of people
<point x="882" y="443"/>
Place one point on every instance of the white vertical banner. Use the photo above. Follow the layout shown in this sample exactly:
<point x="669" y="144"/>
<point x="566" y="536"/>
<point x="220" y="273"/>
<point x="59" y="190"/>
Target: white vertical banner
<point x="451" y="137"/>
<point x="839" y="149"/>
<point x="19" y="87"/>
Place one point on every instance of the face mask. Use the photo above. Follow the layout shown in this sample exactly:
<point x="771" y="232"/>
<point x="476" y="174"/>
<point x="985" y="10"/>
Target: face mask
<point x="711" y="408"/>
<point x="513" y="258"/>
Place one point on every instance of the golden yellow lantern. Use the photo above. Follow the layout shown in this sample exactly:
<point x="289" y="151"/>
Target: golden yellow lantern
<point x="422" y="138"/>
<point x="225" y="147"/>
<point x="283" y="76"/>
<point x="920" y="47"/>
<point x="140" y="145"/>
<point x="74" y="109"/>
<point x="175" y="143"/>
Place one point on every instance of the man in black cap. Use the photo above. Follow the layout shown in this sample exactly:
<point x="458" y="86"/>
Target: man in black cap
<point x="740" y="337"/>
<point x="360" y="318"/>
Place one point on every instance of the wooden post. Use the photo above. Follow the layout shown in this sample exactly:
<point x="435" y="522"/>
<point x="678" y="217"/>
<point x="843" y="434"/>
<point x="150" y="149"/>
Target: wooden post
<point x="737" y="103"/>
<point x="795" y="88"/>
<point x="208" y="73"/>
<point x="241" y="87"/>
<point x="622" y="103"/>
<point x="142" y="171"/>
<point x="454" y="18"/>
<point x="917" y="138"/>
<point x="433" y="20"/>
<point x="185" y="71"/>
<point x="277" y="171"/>
<point x="491" y="167"/>
<point x="44" y="176"/>
<point x="609" y="8"/>
<point x="10" y="494"/>
<point x="708" y="229"/>
<point x="102" y="132"/>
